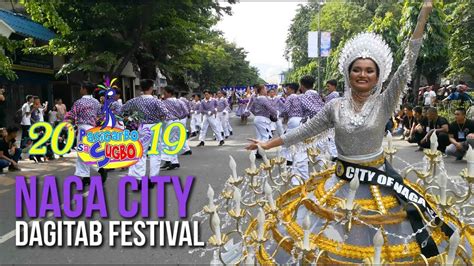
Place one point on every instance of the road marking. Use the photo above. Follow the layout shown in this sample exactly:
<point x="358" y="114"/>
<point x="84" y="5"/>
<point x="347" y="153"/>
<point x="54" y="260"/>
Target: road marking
<point x="12" y="233"/>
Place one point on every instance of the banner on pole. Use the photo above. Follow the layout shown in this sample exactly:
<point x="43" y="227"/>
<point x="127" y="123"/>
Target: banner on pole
<point x="313" y="44"/>
<point x="325" y="43"/>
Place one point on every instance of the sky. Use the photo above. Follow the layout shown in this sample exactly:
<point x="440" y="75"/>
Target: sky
<point x="261" y="27"/>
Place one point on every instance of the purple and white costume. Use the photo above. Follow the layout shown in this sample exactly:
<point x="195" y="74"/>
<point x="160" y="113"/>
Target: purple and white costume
<point x="262" y="109"/>
<point x="208" y="109"/>
<point x="152" y="111"/>
<point x="85" y="113"/>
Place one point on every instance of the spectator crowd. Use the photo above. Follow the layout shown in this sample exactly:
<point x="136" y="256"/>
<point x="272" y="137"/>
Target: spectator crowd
<point x="15" y="142"/>
<point x="417" y="124"/>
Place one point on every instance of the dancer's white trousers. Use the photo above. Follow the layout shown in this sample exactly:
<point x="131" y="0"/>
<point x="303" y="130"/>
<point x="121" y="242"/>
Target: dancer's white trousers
<point x="138" y="170"/>
<point x="263" y="128"/>
<point x="174" y="136"/>
<point x="300" y="159"/>
<point x="223" y="118"/>
<point x="209" y="120"/>
<point x="196" y="120"/>
<point x="82" y="169"/>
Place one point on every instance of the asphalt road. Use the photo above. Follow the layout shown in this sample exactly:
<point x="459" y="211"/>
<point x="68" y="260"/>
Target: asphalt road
<point x="208" y="164"/>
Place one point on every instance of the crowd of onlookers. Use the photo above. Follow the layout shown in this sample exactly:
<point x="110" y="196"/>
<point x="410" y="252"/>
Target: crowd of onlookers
<point x="417" y="124"/>
<point x="429" y="96"/>
<point x="32" y="111"/>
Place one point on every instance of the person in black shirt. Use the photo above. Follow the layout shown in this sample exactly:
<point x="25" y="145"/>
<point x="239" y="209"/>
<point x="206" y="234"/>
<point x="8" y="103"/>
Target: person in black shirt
<point x="9" y="153"/>
<point x="407" y="121"/>
<point x="461" y="134"/>
<point x="417" y="133"/>
<point x="435" y="124"/>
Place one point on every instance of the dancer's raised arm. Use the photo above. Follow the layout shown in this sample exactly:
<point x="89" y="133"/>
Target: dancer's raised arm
<point x="402" y="76"/>
<point x="422" y="19"/>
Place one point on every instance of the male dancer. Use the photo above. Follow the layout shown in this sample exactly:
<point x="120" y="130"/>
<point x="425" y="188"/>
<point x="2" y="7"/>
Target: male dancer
<point x="331" y="86"/>
<point x="84" y="113"/>
<point x="208" y="109"/>
<point x="196" y="122"/>
<point x="186" y="113"/>
<point x="177" y="111"/>
<point x="278" y="104"/>
<point x="310" y="99"/>
<point x="222" y="113"/>
<point x="229" y="110"/>
<point x="152" y="111"/>
<point x="293" y="111"/>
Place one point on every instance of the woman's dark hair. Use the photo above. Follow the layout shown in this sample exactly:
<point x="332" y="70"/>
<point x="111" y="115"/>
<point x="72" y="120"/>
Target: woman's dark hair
<point x="460" y="109"/>
<point x="377" y="69"/>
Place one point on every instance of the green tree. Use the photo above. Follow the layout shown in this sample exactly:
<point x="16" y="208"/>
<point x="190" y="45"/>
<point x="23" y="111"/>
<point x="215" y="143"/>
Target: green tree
<point x="174" y="36"/>
<point x="216" y="63"/>
<point x="5" y="61"/>
<point x="8" y="47"/>
<point x="433" y="58"/>
<point x="461" y="41"/>
<point x="297" y="39"/>
<point x="386" y="22"/>
<point x="343" y="20"/>
<point x="108" y="34"/>
<point x="297" y="73"/>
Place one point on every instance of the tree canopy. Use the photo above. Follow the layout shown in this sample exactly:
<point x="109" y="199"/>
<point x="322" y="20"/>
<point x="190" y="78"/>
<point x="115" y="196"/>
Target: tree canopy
<point x="461" y="41"/>
<point x="106" y="35"/>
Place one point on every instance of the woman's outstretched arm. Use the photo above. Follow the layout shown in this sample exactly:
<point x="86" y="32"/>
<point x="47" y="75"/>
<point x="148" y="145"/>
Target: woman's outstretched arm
<point x="392" y="94"/>
<point x="319" y="123"/>
<point x="275" y="142"/>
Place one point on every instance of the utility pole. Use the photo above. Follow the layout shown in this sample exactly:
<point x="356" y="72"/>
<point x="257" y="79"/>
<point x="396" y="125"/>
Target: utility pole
<point x="320" y="4"/>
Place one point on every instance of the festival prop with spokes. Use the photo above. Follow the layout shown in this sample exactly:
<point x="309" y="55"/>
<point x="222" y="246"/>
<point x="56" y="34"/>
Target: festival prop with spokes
<point x="260" y="214"/>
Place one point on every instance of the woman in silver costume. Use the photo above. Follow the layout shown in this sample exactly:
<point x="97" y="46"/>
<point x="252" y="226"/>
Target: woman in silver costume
<point x="359" y="120"/>
<point x="365" y="62"/>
